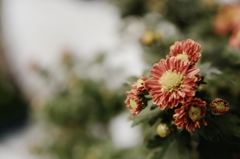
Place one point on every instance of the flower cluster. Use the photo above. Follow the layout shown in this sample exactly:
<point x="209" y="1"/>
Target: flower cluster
<point x="172" y="85"/>
<point x="228" y="20"/>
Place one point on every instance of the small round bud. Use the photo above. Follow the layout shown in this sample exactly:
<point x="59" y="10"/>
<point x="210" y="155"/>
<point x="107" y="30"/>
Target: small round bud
<point x="219" y="106"/>
<point x="163" y="130"/>
<point x="149" y="37"/>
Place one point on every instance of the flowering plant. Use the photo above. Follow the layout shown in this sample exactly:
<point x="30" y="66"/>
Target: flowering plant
<point x="174" y="101"/>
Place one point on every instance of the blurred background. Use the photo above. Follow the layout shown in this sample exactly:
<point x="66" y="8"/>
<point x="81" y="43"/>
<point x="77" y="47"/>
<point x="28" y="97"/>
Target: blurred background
<point x="65" y="66"/>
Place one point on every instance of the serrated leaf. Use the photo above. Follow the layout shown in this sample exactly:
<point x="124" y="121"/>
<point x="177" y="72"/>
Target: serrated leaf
<point x="152" y="120"/>
<point x="204" y="68"/>
<point x="172" y="148"/>
<point x="195" y="135"/>
<point x="210" y="132"/>
<point x="146" y="115"/>
<point x="156" y="142"/>
<point x="207" y="70"/>
<point x="228" y="125"/>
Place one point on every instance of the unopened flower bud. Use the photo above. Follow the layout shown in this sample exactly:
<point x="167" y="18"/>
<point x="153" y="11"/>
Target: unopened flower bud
<point x="149" y="37"/>
<point x="219" y="106"/>
<point x="163" y="130"/>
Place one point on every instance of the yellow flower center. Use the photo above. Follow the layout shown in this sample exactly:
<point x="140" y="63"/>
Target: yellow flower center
<point x="220" y="105"/>
<point x="171" y="81"/>
<point x="133" y="104"/>
<point x="182" y="56"/>
<point x="139" y="83"/>
<point x="195" y="113"/>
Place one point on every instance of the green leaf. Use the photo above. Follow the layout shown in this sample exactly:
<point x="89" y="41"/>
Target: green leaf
<point x="209" y="132"/>
<point x="172" y="147"/>
<point x="157" y="142"/>
<point x="204" y="68"/>
<point x="220" y="127"/>
<point x="147" y="115"/>
<point x="228" y="125"/>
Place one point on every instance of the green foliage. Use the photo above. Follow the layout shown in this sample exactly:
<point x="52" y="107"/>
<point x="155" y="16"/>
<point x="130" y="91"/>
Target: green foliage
<point x="172" y="146"/>
<point x="148" y="115"/>
<point x="87" y="102"/>
<point x="78" y="115"/>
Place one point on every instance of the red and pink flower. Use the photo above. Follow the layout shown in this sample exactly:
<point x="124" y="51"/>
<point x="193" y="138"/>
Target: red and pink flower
<point x="173" y="81"/>
<point x="134" y="103"/>
<point x="191" y="114"/>
<point x="139" y="86"/>
<point x="186" y="50"/>
<point x="135" y="96"/>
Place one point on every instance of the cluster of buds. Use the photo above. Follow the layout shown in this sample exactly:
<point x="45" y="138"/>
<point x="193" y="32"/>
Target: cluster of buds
<point x="228" y="20"/>
<point x="172" y="85"/>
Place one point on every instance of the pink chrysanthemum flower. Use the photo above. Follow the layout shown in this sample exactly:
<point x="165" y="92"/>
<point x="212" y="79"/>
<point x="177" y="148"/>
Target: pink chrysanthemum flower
<point x="135" y="96"/>
<point x="186" y="50"/>
<point x="173" y="81"/>
<point x="134" y="103"/>
<point x="139" y="86"/>
<point x="191" y="114"/>
<point x="219" y="106"/>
